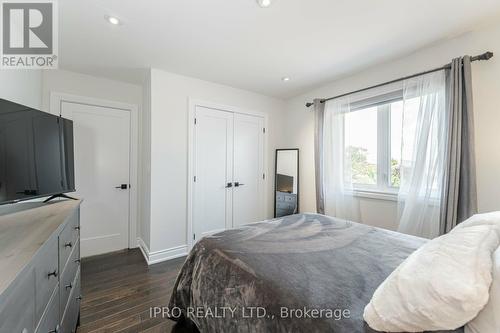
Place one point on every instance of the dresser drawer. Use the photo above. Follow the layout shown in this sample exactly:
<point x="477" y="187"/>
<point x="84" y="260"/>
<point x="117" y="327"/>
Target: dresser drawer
<point x="17" y="308"/>
<point x="282" y="205"/>
<point x="68" y="238"/>
<point x="68" y="276"/>
<point x="70" y="317"/>
<point x="46" y="275"/>
<point x="50" y="319"/>
<point x="282" y="212"/>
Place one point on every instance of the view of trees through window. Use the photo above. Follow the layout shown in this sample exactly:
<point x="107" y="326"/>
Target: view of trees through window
<point x="361" y="146"/>
<point x="364" y="130"/>
<point x="395" y="173"/>
<point x="364" y="172"/>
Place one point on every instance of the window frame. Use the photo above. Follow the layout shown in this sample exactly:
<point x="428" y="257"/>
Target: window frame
<point x="383" y="189"/>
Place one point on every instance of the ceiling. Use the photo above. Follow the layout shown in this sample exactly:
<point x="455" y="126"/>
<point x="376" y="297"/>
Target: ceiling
<point x="237" y="43"/>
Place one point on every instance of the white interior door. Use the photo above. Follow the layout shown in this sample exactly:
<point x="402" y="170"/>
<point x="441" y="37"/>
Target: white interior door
<point x="248" y="193"/>
<point x="213" y="166"/>
<point x="102" y="160"/>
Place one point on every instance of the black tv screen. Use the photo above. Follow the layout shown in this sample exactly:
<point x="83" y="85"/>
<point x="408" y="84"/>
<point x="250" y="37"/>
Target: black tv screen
<point x="284" y="183"/>
<point x="36" y="153"/>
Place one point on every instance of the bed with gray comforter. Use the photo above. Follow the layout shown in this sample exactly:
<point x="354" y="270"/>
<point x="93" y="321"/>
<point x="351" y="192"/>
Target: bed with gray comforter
<point x="301" y="273"/>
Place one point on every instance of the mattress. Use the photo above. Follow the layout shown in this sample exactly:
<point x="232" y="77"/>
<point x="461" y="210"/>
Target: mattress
<point x="300" y="273"/>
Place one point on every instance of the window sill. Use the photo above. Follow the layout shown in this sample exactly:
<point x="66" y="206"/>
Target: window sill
<point x="377" y="195"/>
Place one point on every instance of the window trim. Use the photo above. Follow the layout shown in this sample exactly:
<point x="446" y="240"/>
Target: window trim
<point x="376" y="194"/>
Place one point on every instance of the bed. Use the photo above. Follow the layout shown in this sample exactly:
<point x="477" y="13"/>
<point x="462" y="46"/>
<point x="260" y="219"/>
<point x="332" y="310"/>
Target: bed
<point x="300" y="273"/>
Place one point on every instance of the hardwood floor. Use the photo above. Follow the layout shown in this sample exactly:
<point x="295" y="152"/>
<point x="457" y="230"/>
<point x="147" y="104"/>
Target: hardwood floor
<point x="118" y="290"/>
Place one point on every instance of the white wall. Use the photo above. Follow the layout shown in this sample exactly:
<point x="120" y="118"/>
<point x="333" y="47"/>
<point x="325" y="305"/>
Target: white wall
<point x="169" y="148"/>
<point x="67" y="82"/>
<point x="144" y="196"/>
<point x="22" y="86"/>
<point x="486" y="86"/>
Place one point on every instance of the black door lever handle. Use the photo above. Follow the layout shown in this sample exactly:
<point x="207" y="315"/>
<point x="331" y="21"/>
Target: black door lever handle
<point x="238" y="184"/>
<point x="229" y="185"/>
<point x="122" y="186"/>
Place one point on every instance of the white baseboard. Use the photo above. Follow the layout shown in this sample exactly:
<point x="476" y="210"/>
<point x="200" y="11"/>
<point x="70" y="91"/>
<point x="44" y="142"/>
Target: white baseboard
<point x="162" y="255"/>
<point x="93" y="246"/>
<point x="144" y="248"/>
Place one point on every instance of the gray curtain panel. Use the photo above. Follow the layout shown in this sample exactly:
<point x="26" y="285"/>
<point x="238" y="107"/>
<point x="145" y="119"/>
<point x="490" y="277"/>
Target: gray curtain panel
<point x="319" y="112"/>
<point x="460" y="194"/>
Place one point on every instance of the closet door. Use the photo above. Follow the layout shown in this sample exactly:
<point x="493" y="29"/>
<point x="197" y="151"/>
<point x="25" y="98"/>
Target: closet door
<point x="213" y="169"/>
<point x="248" y="193"/>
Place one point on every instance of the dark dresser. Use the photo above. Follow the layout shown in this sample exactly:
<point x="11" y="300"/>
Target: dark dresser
<point x="40" y="267"/>
<point x="286" y="204"/>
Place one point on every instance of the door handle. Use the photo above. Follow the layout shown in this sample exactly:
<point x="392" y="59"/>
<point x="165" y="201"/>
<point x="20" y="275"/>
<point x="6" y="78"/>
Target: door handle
<point x="238" y="184"/>
<point x="122" y="186"/>
<point x="54" y="274"/>
<point x="229" y="185"/>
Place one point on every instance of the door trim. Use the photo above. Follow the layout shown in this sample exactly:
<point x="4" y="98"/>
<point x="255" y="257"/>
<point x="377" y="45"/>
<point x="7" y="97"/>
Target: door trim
<point x="192" y="104"/>
<point x="56" y="100"/>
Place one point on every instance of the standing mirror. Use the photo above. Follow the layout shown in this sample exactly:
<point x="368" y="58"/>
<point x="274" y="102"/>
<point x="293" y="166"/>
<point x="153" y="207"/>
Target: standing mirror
<point x="286" y="182"/>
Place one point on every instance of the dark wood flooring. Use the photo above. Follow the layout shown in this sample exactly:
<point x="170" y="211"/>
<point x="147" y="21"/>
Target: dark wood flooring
<point x="118" y="290"/>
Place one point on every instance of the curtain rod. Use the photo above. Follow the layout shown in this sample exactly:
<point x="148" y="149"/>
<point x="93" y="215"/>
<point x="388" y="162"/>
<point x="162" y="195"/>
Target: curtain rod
<point x="485" y="56"/>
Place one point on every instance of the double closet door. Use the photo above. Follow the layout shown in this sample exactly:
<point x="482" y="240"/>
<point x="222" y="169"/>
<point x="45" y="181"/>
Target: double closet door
<point x="228" y="170"/>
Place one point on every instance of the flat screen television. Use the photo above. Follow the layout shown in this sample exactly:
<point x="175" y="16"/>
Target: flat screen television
<point x="284" y="183"/>
<point x="36" y="153"/>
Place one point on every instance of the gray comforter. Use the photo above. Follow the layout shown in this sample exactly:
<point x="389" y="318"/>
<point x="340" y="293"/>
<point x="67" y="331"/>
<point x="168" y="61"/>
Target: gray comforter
<point x="301" y="273"/>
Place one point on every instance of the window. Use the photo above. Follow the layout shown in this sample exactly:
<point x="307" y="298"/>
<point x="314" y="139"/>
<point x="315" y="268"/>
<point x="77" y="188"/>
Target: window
<point x="360" y="146"/>
<point x="373" y="145"/>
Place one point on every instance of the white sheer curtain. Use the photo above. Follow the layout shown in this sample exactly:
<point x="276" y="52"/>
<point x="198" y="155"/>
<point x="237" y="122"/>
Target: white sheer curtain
<point x="338" y="187"/>
<point x="423" y="155"/>
<point x="423" y="152"/>
<point x="339" y="192"/>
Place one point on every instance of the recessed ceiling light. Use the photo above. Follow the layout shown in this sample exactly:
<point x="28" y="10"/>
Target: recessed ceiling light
<point x="264" y="3"/>
<point x="113" y="20"/>
<point x="285" y="79"/>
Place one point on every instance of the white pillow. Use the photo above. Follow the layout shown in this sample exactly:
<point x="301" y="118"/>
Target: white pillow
<point x="488" y="320"/>
<point x="441" y="286"/>
<point x="492" y="218"/>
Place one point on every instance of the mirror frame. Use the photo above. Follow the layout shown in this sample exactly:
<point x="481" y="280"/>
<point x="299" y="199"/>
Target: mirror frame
<point x="276" y="180"/>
